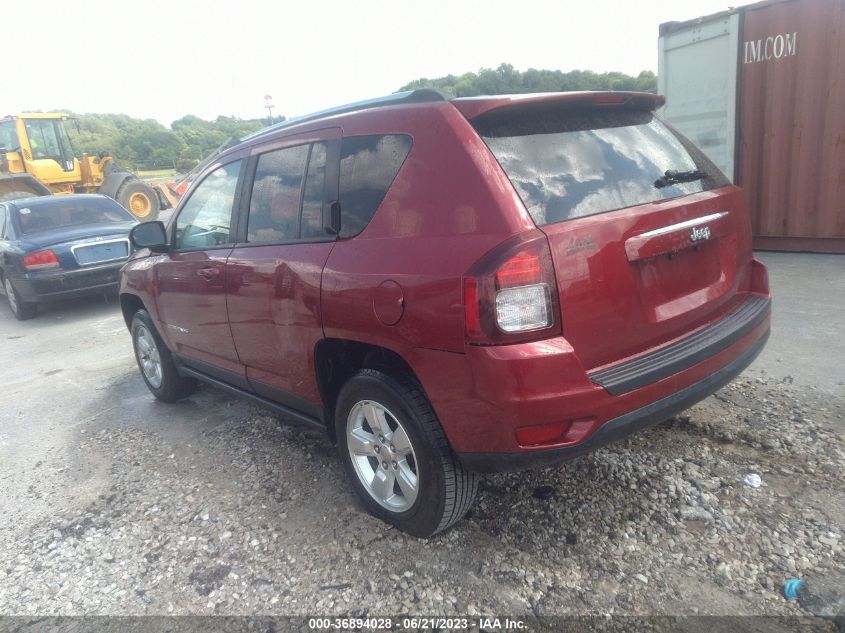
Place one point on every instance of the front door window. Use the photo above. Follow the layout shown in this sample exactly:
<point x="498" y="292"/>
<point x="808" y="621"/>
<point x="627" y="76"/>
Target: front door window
<point x="206" y="219"/>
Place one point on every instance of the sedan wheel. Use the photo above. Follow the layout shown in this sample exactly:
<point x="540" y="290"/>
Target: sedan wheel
<point x="20" y="309"/>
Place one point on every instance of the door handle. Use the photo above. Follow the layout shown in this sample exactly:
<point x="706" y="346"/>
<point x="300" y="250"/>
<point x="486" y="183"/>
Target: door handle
<point x="210" y="273"/>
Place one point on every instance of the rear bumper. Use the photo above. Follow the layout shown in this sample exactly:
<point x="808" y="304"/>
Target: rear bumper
<point x="622" y="426"/>
<point x="485" y="396"/>
<point x="46" y="286"/>
<point x="686" y="353"/>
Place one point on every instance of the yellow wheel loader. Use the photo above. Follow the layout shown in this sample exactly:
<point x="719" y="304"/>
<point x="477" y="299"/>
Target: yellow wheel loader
<point x="36" y="158"/>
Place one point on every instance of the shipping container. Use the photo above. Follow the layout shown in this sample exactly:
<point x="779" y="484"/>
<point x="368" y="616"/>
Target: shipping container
<point x="761" y="89"/>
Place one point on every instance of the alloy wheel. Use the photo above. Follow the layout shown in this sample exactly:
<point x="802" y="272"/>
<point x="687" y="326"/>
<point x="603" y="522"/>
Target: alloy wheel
<point x="10" y="295"/>
<point x="382" y="455"/>
<point x="148" y="356"/>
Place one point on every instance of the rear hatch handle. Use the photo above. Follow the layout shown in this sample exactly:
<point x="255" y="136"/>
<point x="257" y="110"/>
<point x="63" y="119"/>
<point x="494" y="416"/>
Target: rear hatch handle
<point x="676" y="237"/>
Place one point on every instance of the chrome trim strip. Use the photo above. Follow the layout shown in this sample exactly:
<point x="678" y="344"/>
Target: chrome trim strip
<point x="76" y="247"/>
<point x="684" y="225"/>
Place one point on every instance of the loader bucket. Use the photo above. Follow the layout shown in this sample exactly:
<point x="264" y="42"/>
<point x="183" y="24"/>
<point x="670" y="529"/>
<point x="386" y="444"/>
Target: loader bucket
<point x="15" y="186"/>
<point x="166" y="196"/>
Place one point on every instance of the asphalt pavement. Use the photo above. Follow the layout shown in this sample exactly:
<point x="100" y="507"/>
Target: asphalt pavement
<point x="808" y="320"/>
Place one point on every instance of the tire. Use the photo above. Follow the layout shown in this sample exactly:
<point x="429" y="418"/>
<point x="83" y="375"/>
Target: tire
<point x="21" y="309"/>
<point x="165" y="384"/>
<point x="444" y="489"/>
<point x="139" y="199"/>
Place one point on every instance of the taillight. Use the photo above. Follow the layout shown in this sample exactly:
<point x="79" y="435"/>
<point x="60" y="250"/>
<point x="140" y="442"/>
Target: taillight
<point x="40" y="260"/>
<point x="519" y="270"/>
<point x="510" y="294"/>
<point x="523" y="309"/>
<point x="473" y="317"/>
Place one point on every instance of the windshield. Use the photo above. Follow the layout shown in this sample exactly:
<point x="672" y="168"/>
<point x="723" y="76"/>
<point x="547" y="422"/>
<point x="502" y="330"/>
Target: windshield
<point x="63" y="212"/>
<point x="48" y="139"/>
<point x="571" y="163"/>
<point x="8" y="136"/>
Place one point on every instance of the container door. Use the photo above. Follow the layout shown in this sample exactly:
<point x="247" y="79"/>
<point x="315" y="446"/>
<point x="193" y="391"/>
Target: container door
<point x="792" y="151"/>
<point x="696" y="72"/>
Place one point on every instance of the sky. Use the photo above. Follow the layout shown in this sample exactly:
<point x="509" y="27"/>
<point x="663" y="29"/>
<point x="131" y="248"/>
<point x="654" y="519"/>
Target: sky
<point x="165" y="59"/>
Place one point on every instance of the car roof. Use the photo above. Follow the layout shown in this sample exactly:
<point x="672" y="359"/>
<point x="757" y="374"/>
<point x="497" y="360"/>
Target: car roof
<point x="44" y="201"/>
<point x="397" y="98"/>
<point x="470" y="107"/>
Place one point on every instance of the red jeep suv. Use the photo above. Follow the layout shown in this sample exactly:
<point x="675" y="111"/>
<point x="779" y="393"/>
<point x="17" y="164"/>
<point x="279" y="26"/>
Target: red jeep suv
<point x="454" y="286"/>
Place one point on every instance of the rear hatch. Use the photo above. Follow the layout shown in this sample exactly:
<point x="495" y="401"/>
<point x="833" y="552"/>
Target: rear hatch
<point x="649" y="240"/>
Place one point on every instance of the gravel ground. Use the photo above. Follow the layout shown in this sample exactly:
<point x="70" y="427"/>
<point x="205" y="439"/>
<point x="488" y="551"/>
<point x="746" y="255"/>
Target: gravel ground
<point x="215" y="507"/>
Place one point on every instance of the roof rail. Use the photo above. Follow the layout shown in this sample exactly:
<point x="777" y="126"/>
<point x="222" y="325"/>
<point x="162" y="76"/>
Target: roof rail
<point x="422" y="95"/>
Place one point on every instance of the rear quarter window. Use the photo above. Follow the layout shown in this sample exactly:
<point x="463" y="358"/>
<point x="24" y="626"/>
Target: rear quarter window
<point x="574" y="162"/>
<point x="368" y="166"/>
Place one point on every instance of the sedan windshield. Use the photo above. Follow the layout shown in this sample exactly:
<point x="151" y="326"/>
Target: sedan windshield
<point x="67" y="211"/>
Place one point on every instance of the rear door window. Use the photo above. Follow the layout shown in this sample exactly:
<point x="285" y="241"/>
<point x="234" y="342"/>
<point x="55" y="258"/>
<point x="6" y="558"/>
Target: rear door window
<point x="573" y="162"/>
<point x="276" y="194"/>
<point x="287" y="195"/>
<point x="313" y="223"/>
<point x="368" y="166"/>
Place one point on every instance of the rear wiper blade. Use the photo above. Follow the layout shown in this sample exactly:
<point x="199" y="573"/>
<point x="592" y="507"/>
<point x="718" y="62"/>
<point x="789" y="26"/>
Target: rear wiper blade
<point x="671" y="177"/>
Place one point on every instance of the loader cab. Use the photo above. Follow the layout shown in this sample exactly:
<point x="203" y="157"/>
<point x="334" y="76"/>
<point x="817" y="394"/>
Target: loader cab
<point x="8" y="136"/>
<point x="11" y="160"/>
<point x="48" y="140"/>
<point x="46" y="148"/>
<point x="38" y="144"/>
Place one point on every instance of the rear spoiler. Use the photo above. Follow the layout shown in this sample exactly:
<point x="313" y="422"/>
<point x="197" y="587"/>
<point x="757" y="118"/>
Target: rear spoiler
<point x="472" y="107"/>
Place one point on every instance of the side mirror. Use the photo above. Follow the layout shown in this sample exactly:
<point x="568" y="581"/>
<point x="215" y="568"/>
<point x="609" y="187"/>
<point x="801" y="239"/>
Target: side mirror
<point x="151" y="235"/>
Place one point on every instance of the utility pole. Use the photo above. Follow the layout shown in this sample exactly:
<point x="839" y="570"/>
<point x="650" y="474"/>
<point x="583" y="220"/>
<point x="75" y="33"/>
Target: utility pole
<point x="268" y="103"/>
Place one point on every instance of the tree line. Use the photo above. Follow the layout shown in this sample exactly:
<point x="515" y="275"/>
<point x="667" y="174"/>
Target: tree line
<point x="507" y="80"/>
<point x="146" y="143"/>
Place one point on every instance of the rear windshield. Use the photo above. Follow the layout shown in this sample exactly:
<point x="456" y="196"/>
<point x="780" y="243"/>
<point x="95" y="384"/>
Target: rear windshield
<point x="66" y="211"/>
<point x="574" y="162"/>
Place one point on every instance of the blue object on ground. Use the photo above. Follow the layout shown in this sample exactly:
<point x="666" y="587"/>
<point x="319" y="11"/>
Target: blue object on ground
<point x="791" y="587"/>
